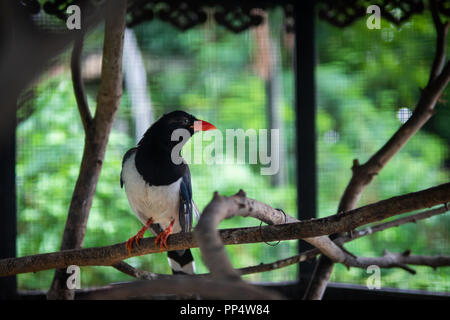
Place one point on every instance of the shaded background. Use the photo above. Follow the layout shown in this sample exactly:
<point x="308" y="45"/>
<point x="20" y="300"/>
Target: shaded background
<point x="368" y="81"/>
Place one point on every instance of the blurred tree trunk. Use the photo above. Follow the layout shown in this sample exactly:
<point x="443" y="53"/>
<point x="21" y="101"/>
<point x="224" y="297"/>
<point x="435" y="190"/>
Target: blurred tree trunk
<point x="97" y="131"/>
<point x="136" y="84"/>
<point x="268" y="66"/>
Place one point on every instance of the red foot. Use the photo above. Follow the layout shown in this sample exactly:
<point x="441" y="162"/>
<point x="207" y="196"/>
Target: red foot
<point x="138" y="236"/>
<point x="162" y="237"/>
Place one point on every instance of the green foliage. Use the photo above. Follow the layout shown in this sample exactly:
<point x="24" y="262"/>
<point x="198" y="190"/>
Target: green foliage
<point x="363" y="78"/>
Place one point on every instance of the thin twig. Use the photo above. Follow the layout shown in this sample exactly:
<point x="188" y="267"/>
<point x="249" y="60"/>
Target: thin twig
<point x="78" y="84"/>
<point x="401" y="260"/>
<point x="441" y="35"/>
<point x="398" y="222"/>
<point x="395" y="260"/>
<point x="139" y="274"/>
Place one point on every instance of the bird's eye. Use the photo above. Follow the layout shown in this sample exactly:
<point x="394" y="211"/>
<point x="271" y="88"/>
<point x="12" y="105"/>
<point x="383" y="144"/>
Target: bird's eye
<point x="185" y="121"/>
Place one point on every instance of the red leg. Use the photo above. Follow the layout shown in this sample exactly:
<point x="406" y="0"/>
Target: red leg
<point x="138" y="236"/>
<point x="162" y="237"/>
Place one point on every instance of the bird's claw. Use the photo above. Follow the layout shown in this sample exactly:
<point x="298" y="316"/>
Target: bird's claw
<point x="129" y="243"/>
<point x="134" y="239"/>
<point x="161" y="239"/>
<point x="137" y="238"/>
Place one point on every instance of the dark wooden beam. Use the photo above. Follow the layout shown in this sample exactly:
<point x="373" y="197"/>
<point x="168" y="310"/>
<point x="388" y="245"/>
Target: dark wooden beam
<point x="8" y="221"/>
<point x="347" y="291"/>
<point x="305" y="106"/>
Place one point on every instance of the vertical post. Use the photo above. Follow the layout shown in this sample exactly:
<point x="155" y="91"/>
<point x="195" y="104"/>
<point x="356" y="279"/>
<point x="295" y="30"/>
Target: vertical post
<point x="8" y="223"/>
<point x="305" y="107"/>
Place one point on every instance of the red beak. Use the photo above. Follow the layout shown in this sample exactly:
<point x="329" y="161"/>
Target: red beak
<point x="200" y="125"/>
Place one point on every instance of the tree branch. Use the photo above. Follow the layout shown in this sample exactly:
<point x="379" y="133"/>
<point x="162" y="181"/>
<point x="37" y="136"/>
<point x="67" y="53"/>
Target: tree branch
<point x="388" y="260"/>
<point x="310" y="254"/>
<point x="78" y="84"/>
<point x="210" y="243"/>
<point x="441" y="35"/>
<point x="139" y="274"/>
<point x="398" y="222"/>
<point x="304" y="256"/>
<point x="109" y="94"/>
<point x="109" y="255"/>
<point x="400" y="260"/>
<point x="364" y="174"/>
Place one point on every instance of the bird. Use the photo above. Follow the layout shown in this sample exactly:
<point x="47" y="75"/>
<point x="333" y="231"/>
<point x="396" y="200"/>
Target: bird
<point x="159" y="189"/>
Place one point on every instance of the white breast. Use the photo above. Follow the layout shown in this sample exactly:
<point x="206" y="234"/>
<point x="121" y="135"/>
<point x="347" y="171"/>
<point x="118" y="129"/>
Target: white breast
<point x="158" y="202"/>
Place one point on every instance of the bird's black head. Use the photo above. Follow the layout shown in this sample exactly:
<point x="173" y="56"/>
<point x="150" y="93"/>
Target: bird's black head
<point x="177" y="120"/>
<point x="162" y="130"/>
<point x="154" y="152"/>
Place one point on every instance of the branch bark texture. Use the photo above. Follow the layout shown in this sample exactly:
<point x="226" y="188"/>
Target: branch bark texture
<point x="364" y="174"/>
<point x="110" y="255"/>
<point x="97" y="134"/>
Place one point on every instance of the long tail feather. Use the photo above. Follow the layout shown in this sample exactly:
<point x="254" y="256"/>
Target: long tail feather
<point x="181" y="262"/>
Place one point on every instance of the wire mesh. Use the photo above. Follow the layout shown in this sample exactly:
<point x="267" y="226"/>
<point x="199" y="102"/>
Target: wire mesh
<point x="367" y="84"/>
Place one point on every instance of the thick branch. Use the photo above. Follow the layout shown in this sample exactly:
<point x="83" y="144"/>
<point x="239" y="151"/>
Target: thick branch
<point x="110" y="92"/>
<point x="364" y="174"/>
<point x="304" y="256"/>
<point x="221" y="208"/>
<point x="310" y="254"/>
<point x="210" y="243"/>
<point x="109" y="255"/>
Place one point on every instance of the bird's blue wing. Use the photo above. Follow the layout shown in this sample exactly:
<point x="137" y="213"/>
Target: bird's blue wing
<point x="185" y="211"/>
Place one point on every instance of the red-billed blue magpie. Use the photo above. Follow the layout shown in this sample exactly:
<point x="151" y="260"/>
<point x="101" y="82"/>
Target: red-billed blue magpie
<point x="158" y="189"/>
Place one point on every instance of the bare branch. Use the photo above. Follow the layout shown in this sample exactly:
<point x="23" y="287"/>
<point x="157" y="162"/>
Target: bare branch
<point x="264" y="267"/>
<point x="401" y="260"/>
<point x="310" y="254"/>
<point x="226" y="207"/>
<point x="441" y="35"/>
<point x="398" y="222"/>
<point x="78" y="84"/>
<point x="364" y="174"/>
<point x="210" y="243"/>
<point x="109" y="255"/>
<point x="136" y="273"/>
<point x="109" y="94"/>
<point x="304" y="256"/>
